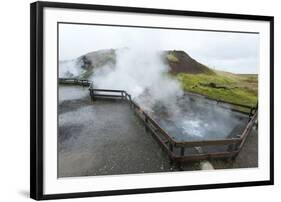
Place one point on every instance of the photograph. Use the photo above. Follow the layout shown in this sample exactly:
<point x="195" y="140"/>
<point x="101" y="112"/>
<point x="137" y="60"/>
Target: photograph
<point x="141" y="99"/>
<point x="133" y="100"/>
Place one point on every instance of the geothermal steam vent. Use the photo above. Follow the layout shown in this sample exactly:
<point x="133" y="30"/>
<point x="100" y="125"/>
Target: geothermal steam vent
<point x="192" y="128"/>
<point x="107" y="98"/>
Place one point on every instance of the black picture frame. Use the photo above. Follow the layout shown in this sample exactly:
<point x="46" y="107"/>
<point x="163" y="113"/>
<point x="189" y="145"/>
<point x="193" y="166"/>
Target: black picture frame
<point x="37" y="101"/>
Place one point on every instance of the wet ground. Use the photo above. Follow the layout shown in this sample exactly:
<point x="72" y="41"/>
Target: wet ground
<point x="105" y="137"/>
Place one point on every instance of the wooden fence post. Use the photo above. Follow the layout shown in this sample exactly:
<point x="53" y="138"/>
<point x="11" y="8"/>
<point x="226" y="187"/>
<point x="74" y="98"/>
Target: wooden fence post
<point x="182" y="151"/>
<point x="171" y="147"/>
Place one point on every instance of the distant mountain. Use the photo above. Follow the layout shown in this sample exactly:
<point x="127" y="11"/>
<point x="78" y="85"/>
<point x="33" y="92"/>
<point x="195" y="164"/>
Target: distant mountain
<point x="96" y="59"/>
<point x="181" y="62"/>
<point x="84" y="66"/>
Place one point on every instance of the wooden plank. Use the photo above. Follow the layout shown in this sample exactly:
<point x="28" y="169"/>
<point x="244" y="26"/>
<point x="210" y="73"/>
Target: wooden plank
<point x="247" y="131"/>
<point x="249" y="125"/>
<point x="74" y="81"/>
<point x="196" y="157"/>
<point x="236" y="104"/>
<point x="135" y="105"/>
<point x="182" y="151"/>
<point x="107" y="95"/>
<point x="221" y="101"/>
<point x="207" y="142"/>
<point x="106" y="90"/>
<point x="162" y="131"/>
<point x="162" y="143"/>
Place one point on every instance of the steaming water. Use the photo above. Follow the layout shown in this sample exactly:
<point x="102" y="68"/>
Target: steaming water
<point x="197" y="119"/>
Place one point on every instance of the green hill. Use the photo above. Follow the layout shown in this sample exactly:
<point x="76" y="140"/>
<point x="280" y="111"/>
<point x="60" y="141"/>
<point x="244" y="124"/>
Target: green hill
<point x="237" y="88"/>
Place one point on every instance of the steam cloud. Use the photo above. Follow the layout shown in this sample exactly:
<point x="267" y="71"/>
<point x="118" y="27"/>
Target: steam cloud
<point x="69" y="68"/>
<point x="143" y="74"/>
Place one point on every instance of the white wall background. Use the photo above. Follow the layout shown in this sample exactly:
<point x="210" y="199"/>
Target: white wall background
<point x="14" y="100"/>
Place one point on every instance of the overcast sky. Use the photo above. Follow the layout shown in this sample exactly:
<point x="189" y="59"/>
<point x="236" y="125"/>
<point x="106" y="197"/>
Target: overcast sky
<point x="233" y="52"/>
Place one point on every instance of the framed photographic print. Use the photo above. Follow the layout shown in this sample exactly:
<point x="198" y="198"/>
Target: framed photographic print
<point x="136" y="100"/>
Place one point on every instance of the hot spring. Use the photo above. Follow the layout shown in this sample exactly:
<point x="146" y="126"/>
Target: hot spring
<point x="194" y="117"/>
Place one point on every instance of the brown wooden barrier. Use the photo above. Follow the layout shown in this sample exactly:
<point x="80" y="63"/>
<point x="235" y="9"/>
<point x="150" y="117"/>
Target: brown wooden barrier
<point x="169" y="144"/>
<point x="73" y="81"/>
<point x="176" y="150"/>
<point x="248" y="109"/>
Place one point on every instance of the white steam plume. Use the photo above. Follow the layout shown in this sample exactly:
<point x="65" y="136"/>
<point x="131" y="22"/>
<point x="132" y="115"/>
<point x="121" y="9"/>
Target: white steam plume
<point x="143" y="74"/>
<point x="69" y="69"/>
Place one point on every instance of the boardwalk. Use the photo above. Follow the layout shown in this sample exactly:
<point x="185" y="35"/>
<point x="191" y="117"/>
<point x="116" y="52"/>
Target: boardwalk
<point x="105" y="137"/>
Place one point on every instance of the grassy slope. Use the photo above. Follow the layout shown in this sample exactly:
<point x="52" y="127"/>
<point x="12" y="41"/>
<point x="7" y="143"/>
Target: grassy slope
<point x="241" y="89"/>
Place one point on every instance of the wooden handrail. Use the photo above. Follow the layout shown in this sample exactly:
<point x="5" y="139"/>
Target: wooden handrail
<point x="174" y="143"/>
<point x="106" y="90"/>
<point x="207" y="142"/>
<point x="187" y="143"/>
<point x="193" y="157"/>
<point x="105" y="95"/>
<point x="161" y="130"/>
<point x="171" y="141"/>
<point x="222" y="101"/>
<point x="75" y="81"/>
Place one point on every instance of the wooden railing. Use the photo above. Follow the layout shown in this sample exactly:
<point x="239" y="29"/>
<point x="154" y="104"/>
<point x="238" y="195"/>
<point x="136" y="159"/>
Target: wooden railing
<point x="233" y="145"/>
<point x="177" y="150"/>
<point x="105" y="93"/>
<point x="74" y="81"/>
<point x="241" y="108"/>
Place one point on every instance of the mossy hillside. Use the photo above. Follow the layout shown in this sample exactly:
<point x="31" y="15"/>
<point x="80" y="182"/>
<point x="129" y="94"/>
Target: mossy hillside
<point x="240" y="89"/>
